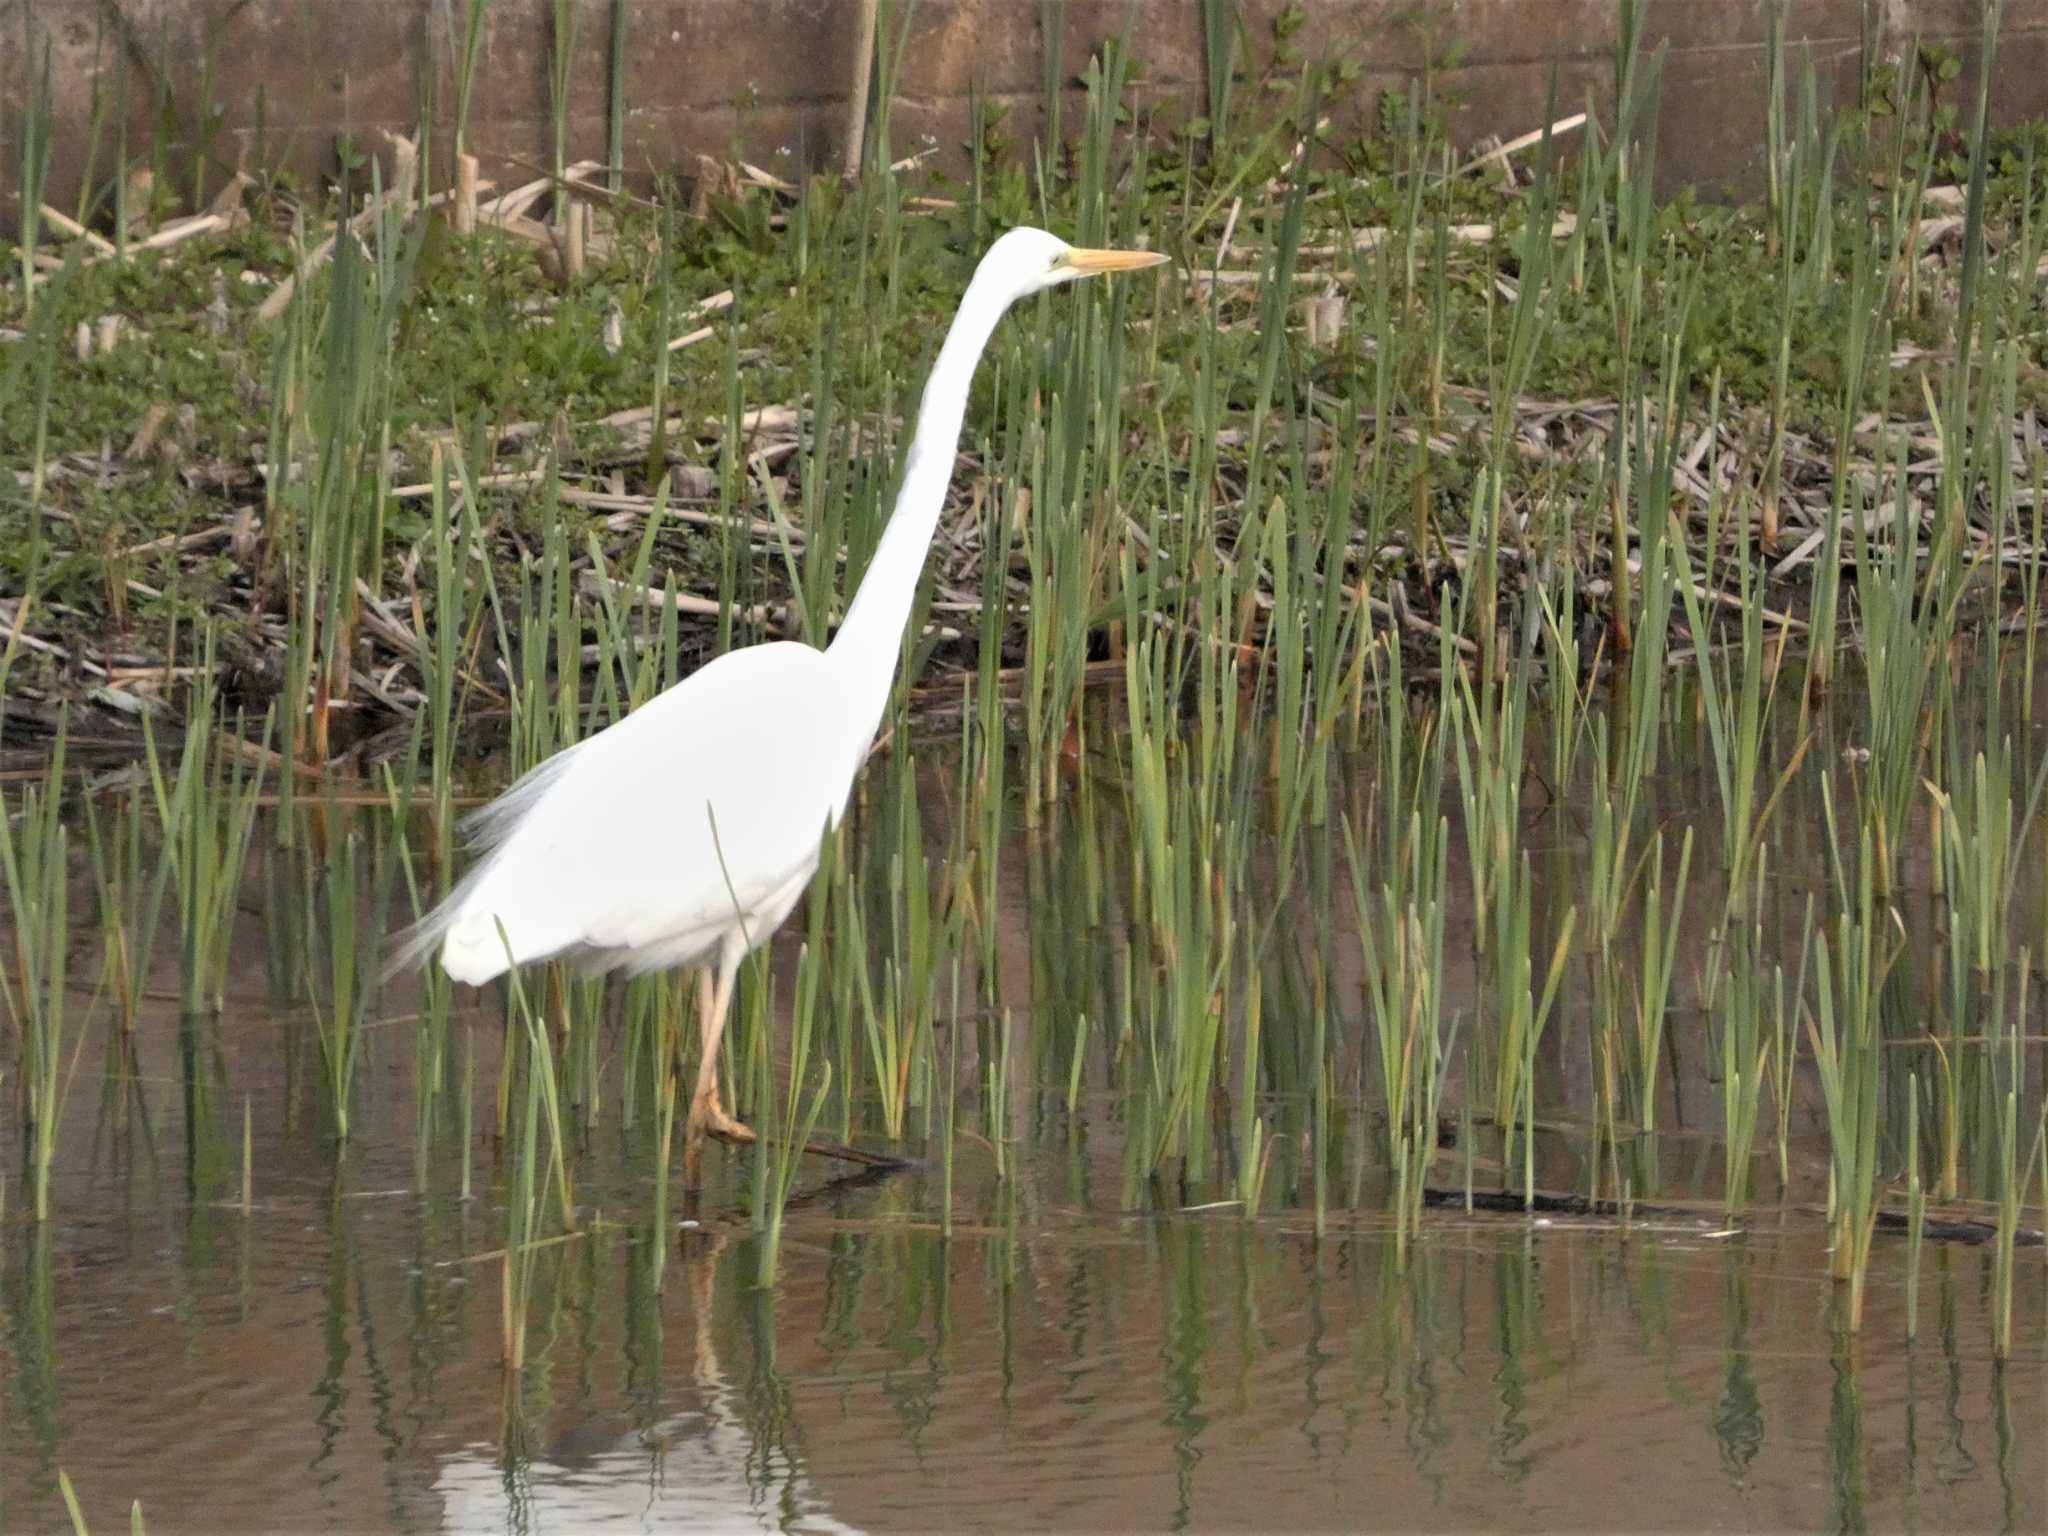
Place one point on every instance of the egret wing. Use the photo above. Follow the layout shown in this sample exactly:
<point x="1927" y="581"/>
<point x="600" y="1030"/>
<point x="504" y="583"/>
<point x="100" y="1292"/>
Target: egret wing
<point x="659" y="833"/>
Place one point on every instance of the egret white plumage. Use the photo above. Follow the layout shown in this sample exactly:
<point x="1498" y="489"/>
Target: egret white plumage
<point x="685" y="833"/>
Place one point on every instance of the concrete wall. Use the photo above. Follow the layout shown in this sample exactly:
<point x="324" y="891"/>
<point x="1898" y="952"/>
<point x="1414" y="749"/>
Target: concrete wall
<point x="763" y="76"/>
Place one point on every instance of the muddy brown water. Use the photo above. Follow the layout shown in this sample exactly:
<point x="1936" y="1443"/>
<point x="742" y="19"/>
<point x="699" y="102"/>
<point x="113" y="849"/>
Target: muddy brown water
<point x="1088" y="1349"/>
<point x="332" y="1360"/>
<point x="332" y="1363"/>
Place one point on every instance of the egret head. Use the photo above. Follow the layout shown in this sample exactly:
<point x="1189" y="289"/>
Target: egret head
<point x="1027" y="260"/>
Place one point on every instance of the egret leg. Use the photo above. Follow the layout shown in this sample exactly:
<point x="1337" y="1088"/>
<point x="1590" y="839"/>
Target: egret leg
<point x="707" y="1114"/>
<point x="693" y="1140"/>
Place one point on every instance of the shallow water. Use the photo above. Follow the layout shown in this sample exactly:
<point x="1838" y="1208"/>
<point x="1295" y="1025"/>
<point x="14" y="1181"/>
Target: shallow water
<point x="331" y="1362"/>
<point x="1091" y="1347"/>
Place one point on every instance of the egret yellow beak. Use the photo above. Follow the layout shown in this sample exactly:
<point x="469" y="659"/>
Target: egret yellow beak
<point x="1088" y="262"/>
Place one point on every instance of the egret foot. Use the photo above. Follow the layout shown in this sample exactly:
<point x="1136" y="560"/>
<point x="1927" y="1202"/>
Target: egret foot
<point x="708" y="1117"/>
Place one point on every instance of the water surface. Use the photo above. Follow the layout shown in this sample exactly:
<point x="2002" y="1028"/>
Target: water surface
<point x="1092" y="1346"/>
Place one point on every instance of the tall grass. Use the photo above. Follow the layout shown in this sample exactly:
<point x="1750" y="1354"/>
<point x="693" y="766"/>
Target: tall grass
<point x="33" y="137"/>
<point x="206" y="803"/>
<point x="563" y="23"/>
<point x="332" y="371"/>
<point x="1401" y="928"/>
<point x="475" y="22"/>
<point x="130" y="893"/>
<point x="34" y="858"/>
<point x="539" y="1153"/>
<point x="1848" y="1045"/>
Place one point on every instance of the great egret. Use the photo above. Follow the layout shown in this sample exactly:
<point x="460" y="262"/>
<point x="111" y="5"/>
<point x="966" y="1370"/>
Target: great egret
<point x="684" y="833"/>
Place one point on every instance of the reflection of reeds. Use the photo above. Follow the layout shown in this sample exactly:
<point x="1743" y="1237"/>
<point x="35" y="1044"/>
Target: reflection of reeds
<point x="1916" y="1208"/>
<point x="34" y="858"/>
<point x="2016" y="1169"/>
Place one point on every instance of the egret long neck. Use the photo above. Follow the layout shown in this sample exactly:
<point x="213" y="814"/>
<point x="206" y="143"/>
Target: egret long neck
<point x="866" y="648"/>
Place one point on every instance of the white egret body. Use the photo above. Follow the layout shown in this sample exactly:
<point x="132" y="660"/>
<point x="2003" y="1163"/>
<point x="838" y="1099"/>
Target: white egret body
<point x="685" y="833"/>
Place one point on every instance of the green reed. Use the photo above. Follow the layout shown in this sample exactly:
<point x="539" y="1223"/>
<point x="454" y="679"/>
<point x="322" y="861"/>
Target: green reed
<point x="1963" y="411"/>
<point x="1651" y="1004"/>
<point x="1979" y="826"/>
<point x="1759" y="1043"/>
<point x="1611" y="876"/>
<point x="529" y="617"/>
<point x="563" y="21"/>
<point x="530" y="1052"/>
<point x="1905" y="642"/>
<point x="900" y="1033"/>
<point x="334" y="894"/>
<point x="1254" y="1146"/>
<point x="895" y="1020"/>
<point x="615" y="103"/>
<point x="1737" y="704"/>
<point x="34" y="858"/>
<point x="1866" y="337"/>
<point x="1524" y="1015"/>
<point x="447" y="658"/>
<point x="1189" y="787"/>
<point x="1800" y="160"/>
<point x="332" y="376"/>
<point x="664" y="310"/>
<point x="77" y="1515"/>
<point x="2015" y="1173"/>
<point x="33" y="137"/>
<point x="1916" y="1209"/>
<point x="130" y="892"/>
<point x="451" y="675"/>
<point x="206" y="803"/>
<point x="791" y="1114"/>
<point x="1511" y="367"/>
<point x="948" y="1135"/>
<point x="1848" y="1042"/>
<point x="1401" y="932"/>
<point x="1075" y="475"/>
<point x="129" y="887"/>
<point x="475" y="21"/>
<point x="37" y="356"/>
<point x="1620" y="214"/>
<point x="1490" y="726"/>
<point x="664" y="1004"/>
<point x="1752" y="1017"/>
<point x="1222" y="30"/>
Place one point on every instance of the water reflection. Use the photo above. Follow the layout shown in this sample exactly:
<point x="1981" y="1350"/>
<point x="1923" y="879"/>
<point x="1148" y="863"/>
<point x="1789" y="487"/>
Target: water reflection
<point x="724" y="1462"/>
<point x="1056" y="1368"/>
<point x="1738" y="1412"/>
<point x="1095" y="1344"/>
